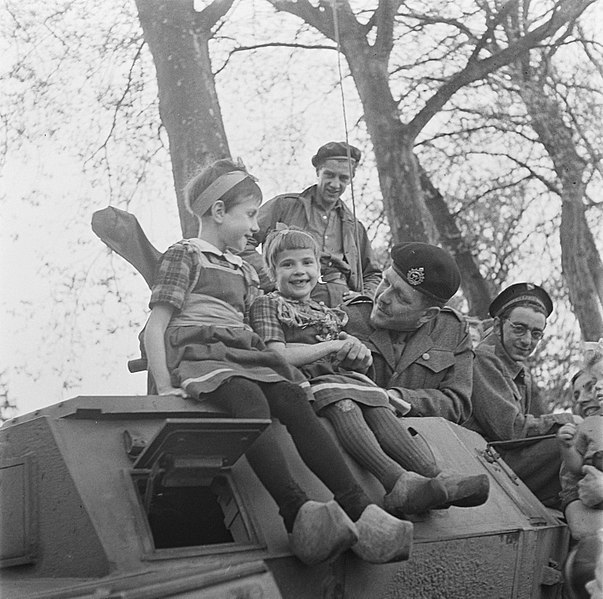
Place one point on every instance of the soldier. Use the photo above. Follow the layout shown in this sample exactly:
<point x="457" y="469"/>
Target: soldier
<point x="507" y="403"/>
<point x="421" y="349"/>
<point x="348" y="267"/>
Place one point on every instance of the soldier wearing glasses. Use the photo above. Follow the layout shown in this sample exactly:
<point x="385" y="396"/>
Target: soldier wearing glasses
<point x="507" y="403"/>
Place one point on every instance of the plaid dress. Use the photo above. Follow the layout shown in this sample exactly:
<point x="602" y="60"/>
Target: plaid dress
<point x="208" y="340"/>
<point x="276" y="318"/>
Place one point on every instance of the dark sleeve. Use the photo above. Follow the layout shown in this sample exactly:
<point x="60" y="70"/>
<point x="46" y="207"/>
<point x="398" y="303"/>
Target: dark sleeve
<point x="496" y="408"/>
<point x="371" y="271"/>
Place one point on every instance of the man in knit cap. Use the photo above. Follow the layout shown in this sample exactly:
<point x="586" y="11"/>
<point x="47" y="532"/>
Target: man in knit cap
<point x="348" y="267"/>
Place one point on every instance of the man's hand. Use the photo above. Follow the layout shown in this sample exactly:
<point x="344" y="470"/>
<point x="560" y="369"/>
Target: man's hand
<point x="590" y="487"/>
<point x="350" y="295"/>
<point x="566" y="434"/>
<point x="353" y="355"/>
<point x="401" y="406"/>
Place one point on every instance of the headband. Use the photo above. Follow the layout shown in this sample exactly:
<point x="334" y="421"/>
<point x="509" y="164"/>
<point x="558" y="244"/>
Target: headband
<point x="201" y="204"/>
<point x="283" y="230"/>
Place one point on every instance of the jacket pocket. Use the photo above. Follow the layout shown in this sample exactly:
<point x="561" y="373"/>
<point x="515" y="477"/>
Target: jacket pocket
<point x="436" y="360"/>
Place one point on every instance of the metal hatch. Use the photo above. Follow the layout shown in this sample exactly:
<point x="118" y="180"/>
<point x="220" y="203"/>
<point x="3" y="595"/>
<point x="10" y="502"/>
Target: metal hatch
<point x="213" y="443"/>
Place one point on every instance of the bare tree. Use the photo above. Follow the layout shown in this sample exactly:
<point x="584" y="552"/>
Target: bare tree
<point x="551" y="119"/>
<point x="367" y="45"/>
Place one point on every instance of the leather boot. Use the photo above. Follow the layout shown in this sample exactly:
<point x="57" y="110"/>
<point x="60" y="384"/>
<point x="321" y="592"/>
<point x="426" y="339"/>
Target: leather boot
<point x="381" y="537"/>
<point x="413" y="494"/>
<point x="321" y="532"/>
<point x="465" y="491"/>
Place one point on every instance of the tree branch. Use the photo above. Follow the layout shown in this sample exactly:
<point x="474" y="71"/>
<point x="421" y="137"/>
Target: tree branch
<point x="567" y="10"/>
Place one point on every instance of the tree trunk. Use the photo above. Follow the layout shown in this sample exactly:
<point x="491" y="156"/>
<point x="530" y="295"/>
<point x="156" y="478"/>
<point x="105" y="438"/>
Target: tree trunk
<point x="188" y="103"/>
<point x="415" y="209"/>
<point x="580" y="259"/>
<point x="476" y="289"/>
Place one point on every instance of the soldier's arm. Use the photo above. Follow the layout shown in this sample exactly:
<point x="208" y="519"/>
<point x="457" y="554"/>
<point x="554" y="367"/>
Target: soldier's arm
<point x="497" y="410"/>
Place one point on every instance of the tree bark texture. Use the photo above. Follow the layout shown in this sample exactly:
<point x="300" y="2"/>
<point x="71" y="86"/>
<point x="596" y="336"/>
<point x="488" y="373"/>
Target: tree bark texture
<point x="580" y="259"/>
<point x="178" y="39"/>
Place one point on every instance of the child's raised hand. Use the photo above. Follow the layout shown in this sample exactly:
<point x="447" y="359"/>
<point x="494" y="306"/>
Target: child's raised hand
<point x="566" y="434"/>
<point x="353" y="354"/>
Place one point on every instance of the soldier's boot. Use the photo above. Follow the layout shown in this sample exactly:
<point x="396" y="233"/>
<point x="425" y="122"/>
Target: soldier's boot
<point x="321" y="531"/>
<point x="382" y="538"/>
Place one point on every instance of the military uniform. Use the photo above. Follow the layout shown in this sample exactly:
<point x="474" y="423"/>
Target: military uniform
<point x="507" y="403"/>
<point x="431" y="367"/>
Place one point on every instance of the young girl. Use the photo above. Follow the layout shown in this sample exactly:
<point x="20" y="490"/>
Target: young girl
<point x="582" y="444"/>
<point x="199" y="345"/>
<point x="308" y="335"/>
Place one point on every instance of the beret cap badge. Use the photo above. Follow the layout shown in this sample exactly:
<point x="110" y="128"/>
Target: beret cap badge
<point x="415" y="276"/>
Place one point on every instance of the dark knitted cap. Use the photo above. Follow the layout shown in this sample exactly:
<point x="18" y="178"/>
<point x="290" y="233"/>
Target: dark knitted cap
<point x="337" y="150"/>
<point x="428" y="268"/>
<point x="521" y="292"/>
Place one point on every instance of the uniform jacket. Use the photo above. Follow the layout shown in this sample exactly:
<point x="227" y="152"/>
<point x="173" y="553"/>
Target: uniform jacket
<point x="293" y="209"/>
<point x="434" y="370"/>
<point x="507" y="403"/>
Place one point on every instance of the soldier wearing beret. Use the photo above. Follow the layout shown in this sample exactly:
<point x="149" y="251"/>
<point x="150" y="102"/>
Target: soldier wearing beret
<point x="507" y="403"/>
<point x="421" y="349"/>
<point x="348" y="267"/>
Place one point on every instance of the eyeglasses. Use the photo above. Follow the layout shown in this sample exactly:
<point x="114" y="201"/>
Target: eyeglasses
<point x="521" y="329"/>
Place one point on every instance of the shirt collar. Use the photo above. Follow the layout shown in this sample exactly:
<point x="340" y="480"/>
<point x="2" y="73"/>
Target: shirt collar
<point x="204" y="246"/>
<point x="309" y="198"/>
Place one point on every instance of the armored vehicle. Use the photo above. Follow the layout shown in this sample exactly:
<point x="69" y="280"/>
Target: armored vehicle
<point x="151" y="496"/>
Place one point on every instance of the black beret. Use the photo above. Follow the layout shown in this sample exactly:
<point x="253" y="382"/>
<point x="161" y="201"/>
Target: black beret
<point x="521" y="292"/>
<point x="335" y="149"/>
<point x="428" y="268"/>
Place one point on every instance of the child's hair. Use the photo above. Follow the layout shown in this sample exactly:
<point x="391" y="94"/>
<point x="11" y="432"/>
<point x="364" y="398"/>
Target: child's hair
<point x="287" y="239"/>
<point x="231" y="197"/>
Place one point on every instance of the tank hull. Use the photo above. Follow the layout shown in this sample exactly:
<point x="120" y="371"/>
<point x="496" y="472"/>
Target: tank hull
<point x="106" y="495"/>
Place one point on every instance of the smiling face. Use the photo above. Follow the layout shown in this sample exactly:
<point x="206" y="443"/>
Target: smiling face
<point x="239" y="223"/>
<point x="296" y="273"/>
<point x="585" y="397"/>
<point x="333" y="179"/>
<point x="398" y="306"/>
<point x="521" y="331"/>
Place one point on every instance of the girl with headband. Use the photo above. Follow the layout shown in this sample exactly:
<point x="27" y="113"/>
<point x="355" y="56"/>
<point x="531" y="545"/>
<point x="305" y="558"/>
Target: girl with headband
<point x="309" y="335"/>
<point x="199" y="344"/>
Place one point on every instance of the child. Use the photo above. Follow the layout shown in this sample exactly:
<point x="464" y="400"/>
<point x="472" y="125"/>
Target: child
<point x="199" y="345"/>
<point x="582" y="444"/>
<point x="309" y="335"/>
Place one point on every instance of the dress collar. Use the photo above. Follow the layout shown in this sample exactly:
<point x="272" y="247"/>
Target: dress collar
<point x="204" y="246"/>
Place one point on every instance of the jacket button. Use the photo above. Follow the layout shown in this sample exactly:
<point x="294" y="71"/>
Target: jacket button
<point x="425" y="356"/>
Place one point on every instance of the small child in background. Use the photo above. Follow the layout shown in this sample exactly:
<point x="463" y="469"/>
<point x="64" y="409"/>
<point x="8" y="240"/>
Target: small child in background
<point x="582" y="444"/>
<point x="309" y="335"/>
